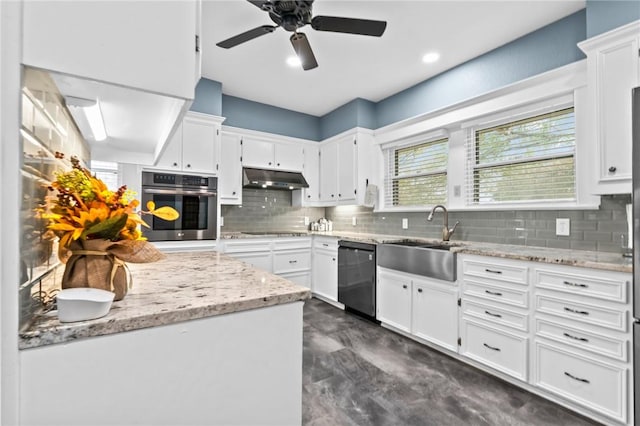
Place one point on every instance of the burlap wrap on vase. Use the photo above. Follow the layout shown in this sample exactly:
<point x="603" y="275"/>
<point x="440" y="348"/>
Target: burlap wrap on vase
<point x="101" y="264"/>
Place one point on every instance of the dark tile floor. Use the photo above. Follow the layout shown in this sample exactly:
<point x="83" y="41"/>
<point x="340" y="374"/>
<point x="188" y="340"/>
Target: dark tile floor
<point x="358" y="373"/>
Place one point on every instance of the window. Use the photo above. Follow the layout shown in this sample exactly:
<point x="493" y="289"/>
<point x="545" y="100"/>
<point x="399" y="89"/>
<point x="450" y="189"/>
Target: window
<point x="417" y="174"/>
<point x="107" y="172"/>
<point x="530" y="160"/>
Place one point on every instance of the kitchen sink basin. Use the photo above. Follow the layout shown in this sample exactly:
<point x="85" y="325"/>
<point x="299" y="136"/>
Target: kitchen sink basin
<point x="425" y="259"/>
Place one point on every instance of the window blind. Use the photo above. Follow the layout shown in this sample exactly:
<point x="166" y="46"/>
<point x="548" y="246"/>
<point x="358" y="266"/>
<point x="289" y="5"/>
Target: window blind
<point x="416" y="175"/>
<point x="529" y="160"/>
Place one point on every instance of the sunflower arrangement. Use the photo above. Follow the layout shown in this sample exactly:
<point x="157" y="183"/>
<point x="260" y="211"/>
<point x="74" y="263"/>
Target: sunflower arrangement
<point x="84" y="208"/>
<point x="99" y="230"/>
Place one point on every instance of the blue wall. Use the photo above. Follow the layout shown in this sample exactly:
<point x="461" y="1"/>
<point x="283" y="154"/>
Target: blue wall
<point x="267" y="118"/>
<point x="542" y="50"/>
<point x="357" y="113"/>
<point x="605" y="15"/>
<point x="208" y="98"/>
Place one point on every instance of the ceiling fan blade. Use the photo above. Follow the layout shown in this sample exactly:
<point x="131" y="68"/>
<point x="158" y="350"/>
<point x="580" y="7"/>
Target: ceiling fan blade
<point x="246" y="36"/>
<point x="303" y="50"/>
<point x="349" y="25"/>
<point x="258" y="3"/>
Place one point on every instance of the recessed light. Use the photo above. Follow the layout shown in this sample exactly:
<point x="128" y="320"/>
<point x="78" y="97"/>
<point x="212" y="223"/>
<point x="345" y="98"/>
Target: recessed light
<point x="430" y="57"/>
<point x="294" y="61"/>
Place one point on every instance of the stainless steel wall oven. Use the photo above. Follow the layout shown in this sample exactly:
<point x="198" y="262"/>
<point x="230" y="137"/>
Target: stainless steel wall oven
<point x="194" y="197"/>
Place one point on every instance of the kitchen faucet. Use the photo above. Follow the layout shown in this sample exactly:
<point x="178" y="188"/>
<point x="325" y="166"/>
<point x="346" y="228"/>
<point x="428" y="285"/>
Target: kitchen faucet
<point x="446" y="232"/>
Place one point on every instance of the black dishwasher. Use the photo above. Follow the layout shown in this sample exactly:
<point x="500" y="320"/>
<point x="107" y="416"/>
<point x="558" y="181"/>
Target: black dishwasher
<point x="357" y="277"/>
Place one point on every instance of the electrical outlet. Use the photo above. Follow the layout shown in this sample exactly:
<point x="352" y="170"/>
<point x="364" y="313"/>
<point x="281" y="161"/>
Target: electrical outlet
<point x="354" y="221"/>
<point x="221" y="220"/>
<point x="563" y="227"/>
<point x="306" y="221"/>
<point x="405" y="223"/>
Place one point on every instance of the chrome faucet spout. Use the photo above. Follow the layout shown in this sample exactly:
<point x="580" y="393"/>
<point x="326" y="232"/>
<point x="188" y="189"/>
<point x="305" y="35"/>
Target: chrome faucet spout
<point x="446" y="232"/>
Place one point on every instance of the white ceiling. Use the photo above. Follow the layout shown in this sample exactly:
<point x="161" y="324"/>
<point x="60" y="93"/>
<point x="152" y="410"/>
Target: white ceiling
<point x="354" y="66"/>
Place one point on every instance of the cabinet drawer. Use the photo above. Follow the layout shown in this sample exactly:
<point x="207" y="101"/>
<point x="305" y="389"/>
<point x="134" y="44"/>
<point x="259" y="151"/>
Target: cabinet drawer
<point x="325" y="243"/>
<point x="582" y="312"/>
<point x="515" y="297"/>
<point x="496" y="271"/>
<point x="496" y="315"/>
<point x="291" y="261"/>
<point x="588" y="382"/>
<point x="247" y="245"/>
<point x="498" y="349"/>
<point x="613" y="287"/>
<point x="583" y="339"/>
<point x="292" y="243"/>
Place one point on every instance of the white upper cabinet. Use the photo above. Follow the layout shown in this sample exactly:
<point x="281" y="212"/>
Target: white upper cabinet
<point x="311" y="173"/>
<point x="230" y="182"/>
<point x="613" y="68"/>
<point x="348" y="164"/>
<point x="195" y="146"/>
<point x="265" y="154"/>
<point x="148" y="45"/>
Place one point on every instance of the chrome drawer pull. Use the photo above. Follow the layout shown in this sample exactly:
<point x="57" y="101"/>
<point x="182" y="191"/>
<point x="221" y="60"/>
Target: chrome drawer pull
<point x="492" y="348"/>
<point x="494" y="293"/>
<point x="492" y="271"/>
<point x="581" y="339"/>
<point x="492" y="314"/>
<point x="573" y="311"/>
<point x="576" y="378"/>
<point x="325" y="245"/>
<point x="575" y="284"/>
<point x="293" y="261"/>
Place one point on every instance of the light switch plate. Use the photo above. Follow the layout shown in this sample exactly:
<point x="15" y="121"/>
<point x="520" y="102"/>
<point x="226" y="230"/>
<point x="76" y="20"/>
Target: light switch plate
<point x="354" y="221"/>
<point x="563" y="227"/>
<point x="405" y="223"/>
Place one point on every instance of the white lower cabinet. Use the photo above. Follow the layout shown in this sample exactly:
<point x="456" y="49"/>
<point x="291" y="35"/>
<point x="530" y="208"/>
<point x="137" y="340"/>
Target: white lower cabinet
<point x="260" y="260"/>
<point x="435" y="313"/>
<point x="394" y="299"/>
<point x="595" y="384"/>
<point x="499" y="349"/>
<point x="325" y="274"/>
<point x="422" y="307"/>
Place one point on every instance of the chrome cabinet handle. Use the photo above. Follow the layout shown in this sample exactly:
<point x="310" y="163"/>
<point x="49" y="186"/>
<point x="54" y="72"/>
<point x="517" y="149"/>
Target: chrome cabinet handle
<point x="581" y="339"/>
<point x="492" y="271"/>
<point x="175" y="164"/>
<point x="573" y="311"/>
<point x="492" y="314"/>
<point x="612" y="169"/>
<point x="419" y="290"/>
<point x="491" y="347"/>
<point x="575" y="284"/>
<point x="326" y="245"/>
<point x="494" y="293"/>
<point x="293" y="261"/>
<point x="576" y="378"/>
<point x="188" y="166"/>
<point x="404" y="286"/>
<point x="179" y="192"/>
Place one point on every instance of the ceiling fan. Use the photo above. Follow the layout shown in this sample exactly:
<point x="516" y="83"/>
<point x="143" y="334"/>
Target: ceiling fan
<point x="292" y="15"/>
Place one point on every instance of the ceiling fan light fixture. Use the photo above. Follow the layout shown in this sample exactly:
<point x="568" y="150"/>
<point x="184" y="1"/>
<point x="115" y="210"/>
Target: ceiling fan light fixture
<point x="293" y="61"/>
<point x="431" y="57"/>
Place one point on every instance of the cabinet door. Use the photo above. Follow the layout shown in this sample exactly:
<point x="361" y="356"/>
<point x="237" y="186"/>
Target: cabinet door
<point x="346" y="169"/>
<point x="171" y="158"/>
<point x="394" y="301"/>
<point x="311" y="173"/>
<point x="257" y="153"/>
<point x="325" y="274"/>
<point x="617" y="75"/>
<point x="289" y="157"/>
<point x="260" y="260"/>
<point x="328" y="174"/>
<point x="199" y="147"/>
<point x="230" y="181"/>
<point x="435" y="313"/>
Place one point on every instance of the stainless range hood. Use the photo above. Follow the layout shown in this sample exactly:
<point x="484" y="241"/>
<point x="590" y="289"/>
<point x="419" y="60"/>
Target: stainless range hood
<point x="272" y="179"/>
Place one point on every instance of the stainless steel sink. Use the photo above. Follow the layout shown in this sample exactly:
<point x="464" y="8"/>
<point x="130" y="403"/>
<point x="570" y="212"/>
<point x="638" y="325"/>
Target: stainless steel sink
<point x="428" y="260"/>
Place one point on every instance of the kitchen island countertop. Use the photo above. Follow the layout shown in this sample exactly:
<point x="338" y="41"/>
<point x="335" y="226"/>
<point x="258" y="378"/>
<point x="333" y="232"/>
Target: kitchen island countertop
<point x="181" y="287"/>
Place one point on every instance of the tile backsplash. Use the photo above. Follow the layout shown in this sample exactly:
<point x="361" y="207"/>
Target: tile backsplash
<point x="596" y="230"/>
<point x="267" y="210"/>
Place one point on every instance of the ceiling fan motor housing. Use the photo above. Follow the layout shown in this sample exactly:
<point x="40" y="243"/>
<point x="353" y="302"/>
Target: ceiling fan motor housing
<point x="290" y="15"/>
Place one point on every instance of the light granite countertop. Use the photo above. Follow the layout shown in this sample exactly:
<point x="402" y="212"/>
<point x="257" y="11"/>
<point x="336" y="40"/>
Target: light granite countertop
<point x="582" y="258"/>
<point x="182" y="287"/>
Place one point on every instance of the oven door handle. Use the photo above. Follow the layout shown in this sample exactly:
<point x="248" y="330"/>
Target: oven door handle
<point x="179" y="192"/>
